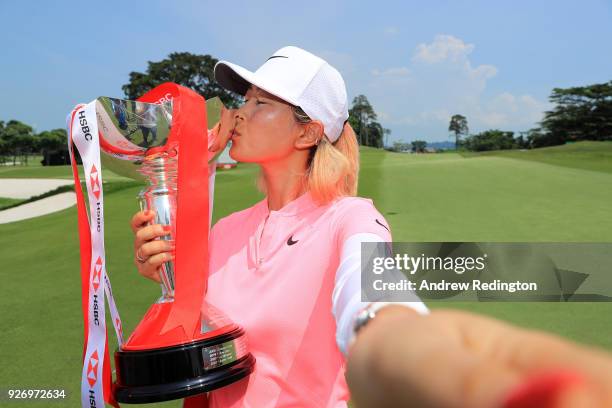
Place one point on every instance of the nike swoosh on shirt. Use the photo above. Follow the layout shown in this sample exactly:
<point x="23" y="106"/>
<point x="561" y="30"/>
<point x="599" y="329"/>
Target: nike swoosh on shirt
<point x="290" y="241"/>
<point x="382" y="225"/>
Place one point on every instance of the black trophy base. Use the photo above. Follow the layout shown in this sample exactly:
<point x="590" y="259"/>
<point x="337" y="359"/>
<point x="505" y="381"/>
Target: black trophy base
<point x="177" y="372"/>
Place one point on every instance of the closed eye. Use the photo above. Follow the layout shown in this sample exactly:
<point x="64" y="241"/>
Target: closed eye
<point x="257" y="101"/>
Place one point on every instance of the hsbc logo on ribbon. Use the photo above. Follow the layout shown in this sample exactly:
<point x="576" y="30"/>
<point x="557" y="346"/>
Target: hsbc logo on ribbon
<point x="84" y="126"/>
<point x="94" y="181"/>
<point x="92" y="377"/>
<point x="97" y="271"/>
<point x="96" y="274"/>
<point x="83" y="129"/>
<point x="92" y="369"/>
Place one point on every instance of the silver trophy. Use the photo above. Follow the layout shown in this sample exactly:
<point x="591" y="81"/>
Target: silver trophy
<point x="131" y="130"/>
<point x="170" y="355"/>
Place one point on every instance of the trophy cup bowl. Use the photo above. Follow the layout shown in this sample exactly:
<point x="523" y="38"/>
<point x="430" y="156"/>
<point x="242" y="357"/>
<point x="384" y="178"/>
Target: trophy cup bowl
<point x="182" y="346"/>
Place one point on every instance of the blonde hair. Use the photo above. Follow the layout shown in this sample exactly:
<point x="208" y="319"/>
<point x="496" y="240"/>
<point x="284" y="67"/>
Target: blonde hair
<point x="333" y="168"/>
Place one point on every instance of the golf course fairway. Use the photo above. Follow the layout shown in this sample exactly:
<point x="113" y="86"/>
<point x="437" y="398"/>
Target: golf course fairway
<point x="563" y="194"/>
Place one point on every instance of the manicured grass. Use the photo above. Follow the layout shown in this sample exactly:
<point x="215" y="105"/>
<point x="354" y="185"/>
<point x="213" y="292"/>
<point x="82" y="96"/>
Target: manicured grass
<point x="448" y="197"/>
<point x="424" y="198"/>
<point x="41" y="312"/>
<point x="495" y="197"/>
<point x="57" y="172"/>
<point x="589" y="155"/>
<point x="9" y="202"/>
<point x="60" y="172"/>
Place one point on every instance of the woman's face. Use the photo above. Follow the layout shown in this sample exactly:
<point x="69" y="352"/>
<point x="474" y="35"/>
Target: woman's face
<point x="266" y="129"/>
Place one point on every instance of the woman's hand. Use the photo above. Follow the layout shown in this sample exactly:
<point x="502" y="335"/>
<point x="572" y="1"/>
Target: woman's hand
<point x="223" y="130"/>
<point x="458" y="359"/>
<point x="149" y="251"/>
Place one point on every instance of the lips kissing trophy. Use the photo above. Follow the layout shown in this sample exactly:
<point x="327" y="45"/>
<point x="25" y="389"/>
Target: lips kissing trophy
<point x="182" y="346"/>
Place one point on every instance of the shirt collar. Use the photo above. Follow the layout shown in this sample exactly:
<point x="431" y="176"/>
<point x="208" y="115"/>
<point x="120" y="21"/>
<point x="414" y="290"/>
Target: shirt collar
<point x="299" y="205"/>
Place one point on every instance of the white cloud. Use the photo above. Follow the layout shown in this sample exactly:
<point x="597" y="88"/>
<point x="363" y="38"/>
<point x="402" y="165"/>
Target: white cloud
<point x="388" y="119"/>
<point x="508" y="110"/>
<point x="391" y="31"/>
<point x="395" y="71"/>
<point x="382" y="115"/>
<point x="450" y="51"/>
<point x="481" y="71"/>
<point x="490" y="119"/>
<point x="443" y="48"/>
<point x="437" y="115"/>
<point x="443" y="80"/>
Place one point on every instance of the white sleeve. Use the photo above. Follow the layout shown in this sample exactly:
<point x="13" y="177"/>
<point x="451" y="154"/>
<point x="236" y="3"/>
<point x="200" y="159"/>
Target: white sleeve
<point x="346" y="297"/>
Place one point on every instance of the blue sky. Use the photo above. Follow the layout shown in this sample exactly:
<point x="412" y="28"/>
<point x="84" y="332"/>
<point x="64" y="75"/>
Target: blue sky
<point x="418" y="62"/>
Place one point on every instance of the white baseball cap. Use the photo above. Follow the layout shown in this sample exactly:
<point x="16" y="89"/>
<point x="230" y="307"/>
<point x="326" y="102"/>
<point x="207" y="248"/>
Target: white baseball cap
<point x="299" y="78"/>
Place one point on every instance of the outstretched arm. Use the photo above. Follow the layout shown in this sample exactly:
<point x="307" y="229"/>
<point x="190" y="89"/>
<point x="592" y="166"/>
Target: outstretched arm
<point x="457" y="359"/>
<point x="346" y="299"/>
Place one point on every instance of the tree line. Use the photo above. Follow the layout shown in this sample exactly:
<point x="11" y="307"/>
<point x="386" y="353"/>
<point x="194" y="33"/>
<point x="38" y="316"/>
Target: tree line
<point x="196" y="72"/>
<point x="580" y="113"/>
<point x="19" y="141"/>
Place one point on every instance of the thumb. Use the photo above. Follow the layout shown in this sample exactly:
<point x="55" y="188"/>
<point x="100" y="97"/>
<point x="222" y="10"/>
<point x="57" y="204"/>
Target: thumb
<point x="224" y="130"/>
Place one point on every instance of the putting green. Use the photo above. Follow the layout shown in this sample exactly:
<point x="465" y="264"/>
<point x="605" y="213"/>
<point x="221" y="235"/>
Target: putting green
<point x="438" y="197"/>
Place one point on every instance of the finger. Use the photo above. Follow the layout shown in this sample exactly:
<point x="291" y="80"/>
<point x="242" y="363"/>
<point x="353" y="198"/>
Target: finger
<point x="491" y="338"/>
<point x="215" y="132"/>
<point x="226" y="126"/>
<point x="151" y="267"/>
<point x="149" y="271"/>
<point x="150" y="232"/>
<point x="155" y="247"/>
<point x="154" y="263"/>
<point x="140" y="219"/>
<point x="223" y="129"/>
<point x="416" y="373"/>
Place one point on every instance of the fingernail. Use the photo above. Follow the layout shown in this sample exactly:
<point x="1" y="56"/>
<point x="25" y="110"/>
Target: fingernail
<point x="167" y="228"/>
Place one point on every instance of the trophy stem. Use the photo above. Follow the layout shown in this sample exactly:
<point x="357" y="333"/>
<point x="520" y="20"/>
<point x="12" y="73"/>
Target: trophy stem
<point x="160" y="171"/>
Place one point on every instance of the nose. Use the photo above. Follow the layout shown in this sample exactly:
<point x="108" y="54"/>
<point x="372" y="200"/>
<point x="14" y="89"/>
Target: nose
<point x="239" y="113"/>
<point x="245" y="109"/>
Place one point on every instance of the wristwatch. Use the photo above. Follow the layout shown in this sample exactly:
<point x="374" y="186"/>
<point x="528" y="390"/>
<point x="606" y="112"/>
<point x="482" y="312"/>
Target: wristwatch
<point x="366" y="314"/>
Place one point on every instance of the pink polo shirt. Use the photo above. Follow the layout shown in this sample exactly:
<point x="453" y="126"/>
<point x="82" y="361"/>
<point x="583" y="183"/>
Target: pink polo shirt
<point x="277" y="283"/>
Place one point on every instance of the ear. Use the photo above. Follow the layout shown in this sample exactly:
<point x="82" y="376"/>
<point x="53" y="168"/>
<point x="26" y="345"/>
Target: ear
<point x="311" y="134"/>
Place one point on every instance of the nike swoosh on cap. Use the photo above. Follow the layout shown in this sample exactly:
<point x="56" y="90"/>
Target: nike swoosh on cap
<point x="276" y="56"/>
<point x="382" y="225"/>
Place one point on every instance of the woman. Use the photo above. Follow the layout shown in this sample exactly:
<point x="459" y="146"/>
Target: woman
<point x="287" y="268"/>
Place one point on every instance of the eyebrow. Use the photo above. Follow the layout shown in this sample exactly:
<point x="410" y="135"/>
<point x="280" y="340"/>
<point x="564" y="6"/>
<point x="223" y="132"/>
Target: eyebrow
<point x="264" y="94"/>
